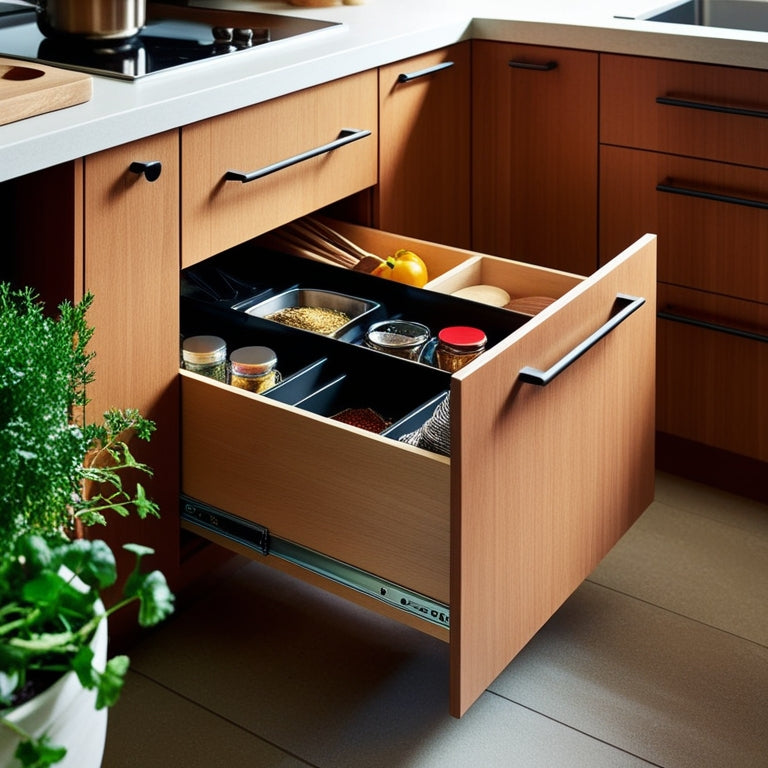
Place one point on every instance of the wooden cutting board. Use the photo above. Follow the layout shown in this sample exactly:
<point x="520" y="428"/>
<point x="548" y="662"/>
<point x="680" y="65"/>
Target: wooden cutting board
<point x="28" y="88"/>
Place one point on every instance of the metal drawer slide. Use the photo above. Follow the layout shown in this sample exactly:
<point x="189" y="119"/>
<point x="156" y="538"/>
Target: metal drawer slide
<point x="259" y="539"/>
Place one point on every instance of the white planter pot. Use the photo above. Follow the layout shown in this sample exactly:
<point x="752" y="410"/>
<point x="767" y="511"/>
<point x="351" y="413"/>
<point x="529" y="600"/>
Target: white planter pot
<point x="66" y="711"/>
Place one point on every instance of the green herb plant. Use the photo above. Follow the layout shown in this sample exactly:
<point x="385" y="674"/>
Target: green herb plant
<point x="57" y="474"/>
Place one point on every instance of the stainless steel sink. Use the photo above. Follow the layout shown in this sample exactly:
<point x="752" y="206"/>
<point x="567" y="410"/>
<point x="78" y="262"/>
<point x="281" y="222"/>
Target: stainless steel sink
<point x="749" y="15"/>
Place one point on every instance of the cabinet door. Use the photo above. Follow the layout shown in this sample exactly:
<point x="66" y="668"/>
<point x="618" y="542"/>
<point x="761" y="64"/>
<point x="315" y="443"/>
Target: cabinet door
<point x="132" y="268"/>
<point x="534" y="154"/>
<point x="713" y="371"/>
<point x="547" y="478"/>
<point x="424" y="147"/>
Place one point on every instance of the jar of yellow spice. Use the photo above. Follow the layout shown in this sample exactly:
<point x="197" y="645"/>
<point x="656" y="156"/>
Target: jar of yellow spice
<point x="253" y="368"/>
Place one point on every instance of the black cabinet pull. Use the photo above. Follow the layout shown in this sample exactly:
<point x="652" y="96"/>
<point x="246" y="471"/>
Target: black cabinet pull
<point x="672" y="101"/>
<point x="405" y="77"/>
<point x="716" y="196"/>
<point x="546" y="66"/>
<point x="346" y="136"/>
<point x="150" y="170"/>
<point x="710" y="326"/>
<point x="541" y="378"/>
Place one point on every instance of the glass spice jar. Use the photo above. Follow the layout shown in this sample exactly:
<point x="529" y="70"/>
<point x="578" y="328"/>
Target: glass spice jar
<point x="206" y="355"/>
<point x="457" y="345"/>
<point x="253" y="368"/>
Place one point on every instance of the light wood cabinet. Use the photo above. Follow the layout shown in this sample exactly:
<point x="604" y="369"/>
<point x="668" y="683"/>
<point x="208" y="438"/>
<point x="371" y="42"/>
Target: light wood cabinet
<point x="683" y="154"/>
<point x="479" y="548"/>
<point x="424" y="147"/>
<point x="115" y="233"/>
<point x="249" y="171"/>
<point x="534" y="154"/>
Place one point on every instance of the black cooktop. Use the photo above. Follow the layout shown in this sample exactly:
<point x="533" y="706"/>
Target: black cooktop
<point x="174" y="36"/>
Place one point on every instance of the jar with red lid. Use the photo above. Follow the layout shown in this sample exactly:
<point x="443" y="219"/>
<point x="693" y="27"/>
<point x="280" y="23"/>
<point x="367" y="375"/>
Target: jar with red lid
<point x="458" y="345"/>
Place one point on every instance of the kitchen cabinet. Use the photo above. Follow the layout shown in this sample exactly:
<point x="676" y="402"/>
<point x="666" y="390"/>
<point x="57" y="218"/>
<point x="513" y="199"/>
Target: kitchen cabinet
<point x="249" y="171"/>
<point x="478" y="548"/>
<point x="116" y="216"/>
<point x="683" y="154"/>
<point x="424" y="147"/>
<point x="534" y="154"/>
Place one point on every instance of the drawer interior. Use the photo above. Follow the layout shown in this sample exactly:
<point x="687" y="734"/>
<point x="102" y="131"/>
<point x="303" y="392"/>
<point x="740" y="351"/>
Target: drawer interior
<point x="327" y="374"/>
<point x="274" y="459"/>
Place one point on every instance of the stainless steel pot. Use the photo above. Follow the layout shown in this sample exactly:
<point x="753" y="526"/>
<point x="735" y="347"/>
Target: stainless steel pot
<point x="91" y="19"/>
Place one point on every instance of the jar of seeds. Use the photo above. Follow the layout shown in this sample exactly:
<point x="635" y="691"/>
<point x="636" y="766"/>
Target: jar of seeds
<point x="253" y="368"/>
<point x="206" y="355"/>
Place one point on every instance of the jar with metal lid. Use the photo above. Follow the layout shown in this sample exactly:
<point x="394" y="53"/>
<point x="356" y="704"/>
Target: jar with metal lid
<point x="457" y="345"/>
<point x="253" y="368"/>
<point x="402" y="338"/>
<point x="206" y="355"/>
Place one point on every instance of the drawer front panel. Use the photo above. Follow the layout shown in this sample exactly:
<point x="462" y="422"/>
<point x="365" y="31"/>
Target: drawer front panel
<point x="713" y="370"/>
<point x="218" y="213"/>
<point x="699" y="110"/>
<point x="711" y="218"/>
<point x="530" y="517"/>
<point x="368" y="501"/>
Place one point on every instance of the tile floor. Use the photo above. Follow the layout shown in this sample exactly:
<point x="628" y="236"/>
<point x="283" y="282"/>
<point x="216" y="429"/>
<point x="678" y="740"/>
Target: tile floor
<point x="660" y="658"/>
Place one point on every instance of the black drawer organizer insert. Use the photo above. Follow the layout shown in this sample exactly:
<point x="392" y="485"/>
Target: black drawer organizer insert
<point x="321" y="374"/>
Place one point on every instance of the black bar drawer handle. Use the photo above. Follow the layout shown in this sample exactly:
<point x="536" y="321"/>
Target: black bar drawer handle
<point x="716" y="196"/>
<point x="150" y="170"/>
<point x="346" y="136"/>
<point x="405" y="77"/>
<point x="672" y="101"/>
<point x="709" y="326"/>
<point x="541" y="378"/>
<point x="546" y="66"/>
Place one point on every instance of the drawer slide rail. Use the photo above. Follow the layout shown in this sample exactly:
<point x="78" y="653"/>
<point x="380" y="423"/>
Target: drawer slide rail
<point x="259" y="539"/>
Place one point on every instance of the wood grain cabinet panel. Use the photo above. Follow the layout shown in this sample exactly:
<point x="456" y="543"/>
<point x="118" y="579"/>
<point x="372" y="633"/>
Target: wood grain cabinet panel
<point x="713" y="370"/>
<point x="684" y="152"/>
<point x="534" y="154"/>
<point x="684" y="108"/>
<point x="274" y="139"/>
<point x="424" y="149"/>
<point x="711" y="218"/>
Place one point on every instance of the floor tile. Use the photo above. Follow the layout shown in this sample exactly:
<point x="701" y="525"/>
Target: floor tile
<point x="697" y="566"/>
<point x="151" y="727"/>
<point x="342" y="688"/>
<point x="711" y="502"/>
<point x="672" y="691"/>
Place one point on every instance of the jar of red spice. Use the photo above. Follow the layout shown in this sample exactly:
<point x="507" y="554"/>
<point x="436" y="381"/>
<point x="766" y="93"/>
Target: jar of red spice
<point x="457" y="345"/>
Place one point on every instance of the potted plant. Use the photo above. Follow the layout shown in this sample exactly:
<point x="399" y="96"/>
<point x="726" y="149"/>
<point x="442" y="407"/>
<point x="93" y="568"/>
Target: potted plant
<point x="57" y="476"/>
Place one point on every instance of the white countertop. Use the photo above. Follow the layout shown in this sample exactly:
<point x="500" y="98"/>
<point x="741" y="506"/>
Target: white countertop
<point x="375" y="33"/>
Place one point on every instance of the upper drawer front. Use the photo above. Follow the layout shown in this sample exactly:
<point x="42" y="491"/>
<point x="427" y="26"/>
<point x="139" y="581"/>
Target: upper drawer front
<point x="711" y="218"/>
<point x="218" y="213"/>
<point x="708" y="111"/>
<point x="713" y="370"/>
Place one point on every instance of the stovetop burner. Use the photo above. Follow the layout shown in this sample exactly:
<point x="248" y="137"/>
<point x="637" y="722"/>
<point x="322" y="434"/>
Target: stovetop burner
<point x="175" y="37"/>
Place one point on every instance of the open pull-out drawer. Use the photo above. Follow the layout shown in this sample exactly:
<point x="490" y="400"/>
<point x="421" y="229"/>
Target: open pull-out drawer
<point x="551" y="455"/>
